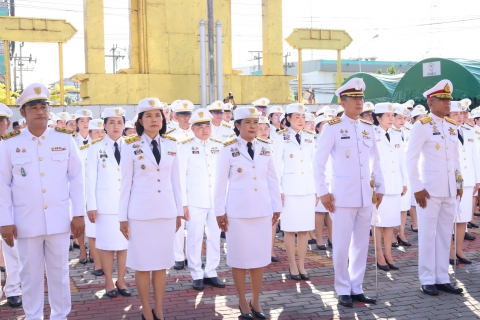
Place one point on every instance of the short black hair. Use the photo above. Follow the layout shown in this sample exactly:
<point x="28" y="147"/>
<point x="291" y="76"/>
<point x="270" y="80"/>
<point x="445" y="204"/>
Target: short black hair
<point x="34" y="102"/>
<point x="375" y="120"/>
<point x="415" y="118"/>
<point x="15" y="123"/>
<point x="317" y="127"/>
<point x="363" y="113"/>
<point x="237" y="132"/>
<point x="287" y="123"/>
<point x="200" y="123"/>
<point x="140" y="129"/>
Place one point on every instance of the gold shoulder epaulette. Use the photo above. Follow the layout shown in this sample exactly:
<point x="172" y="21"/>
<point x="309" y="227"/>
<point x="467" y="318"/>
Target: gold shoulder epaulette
<point x="84" y="146"/>
<point x="477" y="132"/>
<point x="408" y="127"/>
<point x="216" y="140"/>
<point x="365" y="121"/>
<point x="10" y="134"/>
<point x="334" y="121"/>
<point x="169" y="137"/>
<point x="308" y="131"/>
<point x="227" y="125"/>
<point x="426" y="120"/>
<point x="63" y="130"/>
<point x="229" y="142"/>
<point x="232" y="135"/>
<point x="465" y="127"/>
<point x="132" y="139"/>
<point x="96" y="140"/>
<point x="468" y="124"/>
<point x="170" y="131"/>
<point x="451" y="121"/>
<point x="396" y="129"/>
<point x="187" y="140"/>
<point x="282" y="131"/>
<point x="263" y="140"/>
<point x="74" y="134"/>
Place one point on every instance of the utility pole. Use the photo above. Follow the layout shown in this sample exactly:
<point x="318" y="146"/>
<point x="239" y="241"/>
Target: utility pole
<point x="257" y="57"/>
<point x="18" y="60"/>
<point x="115" y="57"/>
<point x="211" y="62"/>
<point x="287" y="65"/>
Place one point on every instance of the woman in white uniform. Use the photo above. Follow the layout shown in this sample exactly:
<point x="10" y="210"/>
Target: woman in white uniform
<point x="150" y="208"/>
<point x="294" y="149"/>
<point x="390" y="150"/>
<point x="470" y="171"/>
<point x="322" y="217"/>
<point x="103" y="195"/>
<point x="247" y="204"/>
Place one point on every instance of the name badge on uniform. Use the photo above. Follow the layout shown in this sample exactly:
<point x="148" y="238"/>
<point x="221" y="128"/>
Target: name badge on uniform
<point x="235" y="152"/>
<point x="365" y="134"/>
<point x="137" y="152"/>
<point x="286" y="136"/>
<point x="195" y="150"/>
<point x="170" y="153"/>
<point x="214" y="150"/>
<point x="59" y="149"/>
<point x="470" y="140"/>
<point x="452" y="132"/>
<point x="264" y="152"/>
<point x="344" y="134"/>
<point x="397" y="146"/>
<point x="436" y="133"/>
<point x="308" y="140"/>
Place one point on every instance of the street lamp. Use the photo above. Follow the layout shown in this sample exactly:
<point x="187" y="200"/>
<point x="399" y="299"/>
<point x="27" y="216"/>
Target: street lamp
<point x="360" y="59"/>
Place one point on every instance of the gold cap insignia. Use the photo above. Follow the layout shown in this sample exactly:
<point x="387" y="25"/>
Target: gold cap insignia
<point x="405" y="112"/>
<point x="447" y="88"/>
<point x="390" y="107"/>
<point x="252" y="111"/>
<point x="185" y="105"/>
<point x="300" y="108"/>
<point x="38" y="90"/>
<point x="85" y="113"/>
<point x="151" y="103"/>
<point x="219" y="104"/>
<point x="64" y="116"/>
<point x="99" y="123"/>
<point x="72" y="117"/>
<point x="117" y="112"/>
<point x="279" y="109"/>
<point x="263" y="101"/>
<point x="200" y="114"/>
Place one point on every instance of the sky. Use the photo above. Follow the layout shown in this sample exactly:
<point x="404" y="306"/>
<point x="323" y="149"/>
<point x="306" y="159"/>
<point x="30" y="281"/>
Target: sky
<point x="408" y="30"/>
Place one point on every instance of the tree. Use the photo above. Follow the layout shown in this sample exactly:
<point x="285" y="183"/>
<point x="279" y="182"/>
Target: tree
<point x="55" y="94"/>
<point x="379" y="71"/>
<point x="3" y="95"/>
<point x="391" y="70"/>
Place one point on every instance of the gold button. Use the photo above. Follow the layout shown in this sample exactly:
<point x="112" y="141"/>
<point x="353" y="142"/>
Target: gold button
<point x="159" y="191"/>
<point x="206" y="155"/>
<point x="210" y="174"/>
<point x="446" y="147"/>
<point x="393" y="171"/>
<point x="45" y="207"/>
<point x="300" y="148"/>
<point x="158" y="169"/>
<point x="43" y="190"/>
<point x="41" y="159"/>
<point x="33" y="139"/>
<point x="253" y="167"/>
<point x="393" y="161"/>
<point x="118" y="169"/>
<point x="39" y="144"/>
<point x="301" y="160"/>
<point x="449" y="159"/>
<point x="208" y="165"/>
<point x="210" y="186"/>
<point x="463" y="150"/>
<point x="254" y="178"/>
<point x="448" y="170"/>
<point x="42" y="174"/>
<point x="119" y="179"/>
<point x="302" y="172"/>
<point x="43" y="138"/>
<point x="255" y="189"/>
<point x="391" y="151"/>
<point x="464" y="158"/>
<point x="158" y="180"/>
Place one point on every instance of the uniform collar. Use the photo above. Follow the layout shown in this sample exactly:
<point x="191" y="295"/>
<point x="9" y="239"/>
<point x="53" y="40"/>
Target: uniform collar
<point x="29" y="135"/>
<point x="293" y="131"/>
<point x="200" y="142"/>
<point x="149" y="140"/>
<point x="436" y="119"/>
<point x="111" y="141"/>
<point x="348" y="119"/>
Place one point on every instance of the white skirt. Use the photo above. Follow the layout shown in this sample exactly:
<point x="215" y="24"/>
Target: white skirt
<point x="249" y="242"/>
<point x="406" y="200"/>
<point x="465" y="214"/>
<point x="389" y="211"/>
<point x="90" y="228"/>
<point x="298" y="213"/>
<point x="109" y="236"/>
<point x="150" y="246"/>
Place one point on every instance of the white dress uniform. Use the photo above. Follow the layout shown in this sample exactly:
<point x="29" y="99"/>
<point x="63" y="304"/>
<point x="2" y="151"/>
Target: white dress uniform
<point x="392" y="162"/>
<point x="432" y="160"/>
<point x="150" y="201"/>
<point x="103" y="192"/>
<point x="247" y="191"/>
<point x="406" y="200"/>
<point x="198" y="161"/>
<point x="293" y="164"/>
<point x="353" y="149"/>
<point x="222" y="132"/>
<point x="38" y="178"/>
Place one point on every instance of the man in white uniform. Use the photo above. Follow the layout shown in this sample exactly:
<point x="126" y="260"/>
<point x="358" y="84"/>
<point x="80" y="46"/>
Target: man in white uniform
<point x="12" y="262"/>
<point x="433" y="164"/>
<point x="198" y="159"/>
<point x="351" y="144"/>
<point x="261" y="105"/>
<point x="40" y="174"/>
<point x="220" y="129"/>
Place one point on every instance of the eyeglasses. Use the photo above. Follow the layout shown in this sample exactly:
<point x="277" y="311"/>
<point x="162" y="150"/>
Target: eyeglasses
<point x="276" y="116"/>
<point x="217" y="111"/>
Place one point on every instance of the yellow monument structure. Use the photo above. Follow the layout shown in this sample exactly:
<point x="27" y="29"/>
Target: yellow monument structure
<point x="165" y="57"/>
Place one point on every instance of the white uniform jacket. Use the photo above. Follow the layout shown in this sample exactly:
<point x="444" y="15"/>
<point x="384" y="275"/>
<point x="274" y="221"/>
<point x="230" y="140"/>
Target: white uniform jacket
<point x="38" y="178"/>
<point x="79" y="139"/>
<point x="392" y="160"/>
<point x="432" y="156"/>
<point x="149" y="191"/>
<point x="103" y="176"/>
<point x="352" y="146"/>
<point x="476" y="131"/>
<point x="293" y="162"/>
<point x="198" y="161"/>
<point x="246" y="188"/>
<point x="273" y="131"/>
<point x="223" y="132"/>
<point x="180" y="134"/>
<point x="469" y="158"/>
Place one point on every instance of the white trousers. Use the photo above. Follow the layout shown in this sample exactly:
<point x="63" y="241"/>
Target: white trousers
<point x="201" y="220"/>
<point x="179" y="243"/>
<point x="434" y="236"/>
<point x="12" y="264"/>
<point x="34" y="253"/>
<point x="350" y="237"/>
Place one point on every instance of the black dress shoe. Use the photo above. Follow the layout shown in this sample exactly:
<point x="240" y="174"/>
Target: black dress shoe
<point x="2" y="269"/>
<point x="345" y="301"/>
<point x="155" y="316"/>
<point x="76" y="246"/>
<point x="98" y="272"/>
<point x="469" y="237"/>
<point x="394" y="244"/>
<point x="430" y="289"/>
<point x="70" y="248"/>
<point x="305" y="276"/>
<point x="464" y="260"/>
<point x="123" y="292"/>
<point x="330" y="245"/>
<point x="391" y="266"/>
<point x="222" y="235"/>
<point x="256" y="314"/>
<point x="83" y="261"/>
<point x="473" y="225"/>
<point x="414" y="230"/>
<point x="384" y="268"/>
<point x="294" y="277"/>
<point x="452" y="261"/>
<point x="477" y="214"/>
<point x="274" y="259"/>
<point x="322" y="247"/>
<point x="363" y="298"/>
<point x="247" y="316"/>
<point x="403" y="243"/>
<point x="91" y="260"/>
<point x="312" y="241"/>
<point x="111" y="294"/>
<point x="179" y="265"/>
<point x="214" y="282"/>
<point x="14" y="301"/>
<point x="198" y="284"/>
<point x="448" y="287"/>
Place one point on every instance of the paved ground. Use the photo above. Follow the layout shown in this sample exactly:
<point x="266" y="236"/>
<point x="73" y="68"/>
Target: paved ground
<point x="282" y="298"/>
